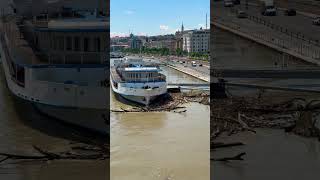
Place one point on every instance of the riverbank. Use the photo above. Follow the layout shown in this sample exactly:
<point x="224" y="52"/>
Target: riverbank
<point x="165" y="58"/>
<point x="190" y="72"/>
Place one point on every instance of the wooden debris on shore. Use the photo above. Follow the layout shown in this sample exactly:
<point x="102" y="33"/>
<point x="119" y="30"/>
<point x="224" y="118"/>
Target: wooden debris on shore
<point x="232" y="115"/>
<point x="237" y="157"/>
<point x="244" y="114"/>
<point x="170" y="102"/>
<point x="77" y="152"/>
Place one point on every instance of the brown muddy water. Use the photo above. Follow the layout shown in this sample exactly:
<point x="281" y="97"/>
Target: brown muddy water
<point x="271" y="154"/>
<point x="160" y="145"/>
<point x="21" y="127"/>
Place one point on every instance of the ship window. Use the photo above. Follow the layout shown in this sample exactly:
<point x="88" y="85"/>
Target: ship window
<point x="69" y="43"/>
<point x="86" y="43"/>
<point x="20" y="75"/>
<point x="97" y="44"/>
<point x="61" y="43"/>
<point x="76" y="43"/>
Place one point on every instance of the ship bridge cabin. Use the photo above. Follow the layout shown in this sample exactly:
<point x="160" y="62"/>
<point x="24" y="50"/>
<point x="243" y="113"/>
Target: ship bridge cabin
<point x="141" y="74"/>
<point x="78" y="38"/>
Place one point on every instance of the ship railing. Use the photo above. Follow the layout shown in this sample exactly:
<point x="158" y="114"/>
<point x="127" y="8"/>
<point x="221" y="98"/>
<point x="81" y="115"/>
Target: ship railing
<point x="40" y="23"/>
<point x="160" y="78"/>
<point x="56" y="57"/>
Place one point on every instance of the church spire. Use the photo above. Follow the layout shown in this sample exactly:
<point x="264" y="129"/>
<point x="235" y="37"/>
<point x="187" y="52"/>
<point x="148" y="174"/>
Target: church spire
<point x="182" y="27"/>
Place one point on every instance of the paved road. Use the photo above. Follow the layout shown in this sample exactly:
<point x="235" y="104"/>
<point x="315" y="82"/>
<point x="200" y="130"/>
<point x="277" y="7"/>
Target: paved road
<point x="298" y="23"/>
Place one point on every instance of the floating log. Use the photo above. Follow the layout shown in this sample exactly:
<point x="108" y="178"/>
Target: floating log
<point x="225" y="145"/>
<point x="233" y="158"/>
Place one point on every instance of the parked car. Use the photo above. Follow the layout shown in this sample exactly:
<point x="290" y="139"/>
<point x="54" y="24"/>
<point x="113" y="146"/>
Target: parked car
<point x="290" y="12"/>
<point x="316" y="21"/>
<point x="242" y="14"/>
<point x="200" y="64"/>
<point x="228" y="3"/>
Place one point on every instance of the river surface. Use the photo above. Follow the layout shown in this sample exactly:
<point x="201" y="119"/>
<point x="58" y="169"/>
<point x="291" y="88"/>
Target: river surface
<point x="271" y="154"/>
<point x="161" y="145"/>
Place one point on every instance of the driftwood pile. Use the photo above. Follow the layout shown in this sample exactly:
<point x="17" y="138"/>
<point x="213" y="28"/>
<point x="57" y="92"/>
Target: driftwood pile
<point x="232" y="115"/>
<point x="170" y="102"/>
<point x="244" y="114"/>
<point x="77" y="151"/>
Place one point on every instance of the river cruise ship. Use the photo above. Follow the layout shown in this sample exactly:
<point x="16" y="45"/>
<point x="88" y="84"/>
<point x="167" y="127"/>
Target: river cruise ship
<point x="58" y="62"/>
<point x="137" y="80"/>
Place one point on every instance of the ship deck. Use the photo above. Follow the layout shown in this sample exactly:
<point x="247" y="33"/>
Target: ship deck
<point x="21" y="50"/>
<point x="115" y="75"/>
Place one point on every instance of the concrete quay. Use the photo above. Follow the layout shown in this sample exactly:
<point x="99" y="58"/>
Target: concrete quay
<point x="191" y="72"/>
<point x="265" y="31"/>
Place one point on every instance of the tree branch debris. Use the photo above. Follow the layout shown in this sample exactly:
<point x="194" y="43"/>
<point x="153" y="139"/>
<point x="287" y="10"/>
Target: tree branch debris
<point x="171" y="102"/>
<point x="237" y="114"/>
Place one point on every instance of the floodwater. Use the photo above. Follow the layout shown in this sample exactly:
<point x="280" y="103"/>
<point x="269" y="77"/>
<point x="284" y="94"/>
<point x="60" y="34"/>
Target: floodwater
<point x="160" y="145"/>
<point x="21" y="127"/>
<point x="271" y="154"/>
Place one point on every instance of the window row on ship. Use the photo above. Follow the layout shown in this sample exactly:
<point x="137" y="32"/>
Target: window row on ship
<point x="73" y="42"/>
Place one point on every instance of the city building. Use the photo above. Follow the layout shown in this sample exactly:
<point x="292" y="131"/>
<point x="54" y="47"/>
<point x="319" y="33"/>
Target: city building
<point x="197" y="41"/>
<point x="161" y="41"/>
<point x="135" y="42"/>
<point x="179" y="38"/>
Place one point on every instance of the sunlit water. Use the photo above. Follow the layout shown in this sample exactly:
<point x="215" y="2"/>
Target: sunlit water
<point x="160" y="145"/>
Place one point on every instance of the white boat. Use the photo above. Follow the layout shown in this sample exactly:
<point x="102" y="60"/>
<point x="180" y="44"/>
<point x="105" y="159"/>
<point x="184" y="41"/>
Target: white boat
<point x="137" y="80"/>
<point x="58" y="63"/>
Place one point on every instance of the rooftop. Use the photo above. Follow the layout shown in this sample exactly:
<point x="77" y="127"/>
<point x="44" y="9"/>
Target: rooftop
<point x="140" y="69"/>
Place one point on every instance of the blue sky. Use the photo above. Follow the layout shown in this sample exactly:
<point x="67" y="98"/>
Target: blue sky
<point x="155" y="17"/>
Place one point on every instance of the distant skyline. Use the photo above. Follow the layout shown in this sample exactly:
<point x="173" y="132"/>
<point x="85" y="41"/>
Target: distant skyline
<point x="157" y="17"/>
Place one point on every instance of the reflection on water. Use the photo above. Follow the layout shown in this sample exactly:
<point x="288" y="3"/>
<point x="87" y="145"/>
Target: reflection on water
<point x="160" y="145"/>
<point x="271" y="154"/>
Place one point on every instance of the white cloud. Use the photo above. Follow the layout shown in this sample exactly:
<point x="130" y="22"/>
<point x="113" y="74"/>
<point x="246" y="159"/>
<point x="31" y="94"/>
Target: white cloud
<point x="129" y="12"/>
<point x="141" y="34"/>
<point x="119" y="34"/>
<point x="164" y="28"/>
<point x="201" y="25"/>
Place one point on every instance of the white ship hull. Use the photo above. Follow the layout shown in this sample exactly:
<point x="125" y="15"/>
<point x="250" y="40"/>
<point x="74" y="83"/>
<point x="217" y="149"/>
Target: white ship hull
<point x="139" y="99"/>
<point x="91" y="119"/>
<point x="134" y="92"/>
